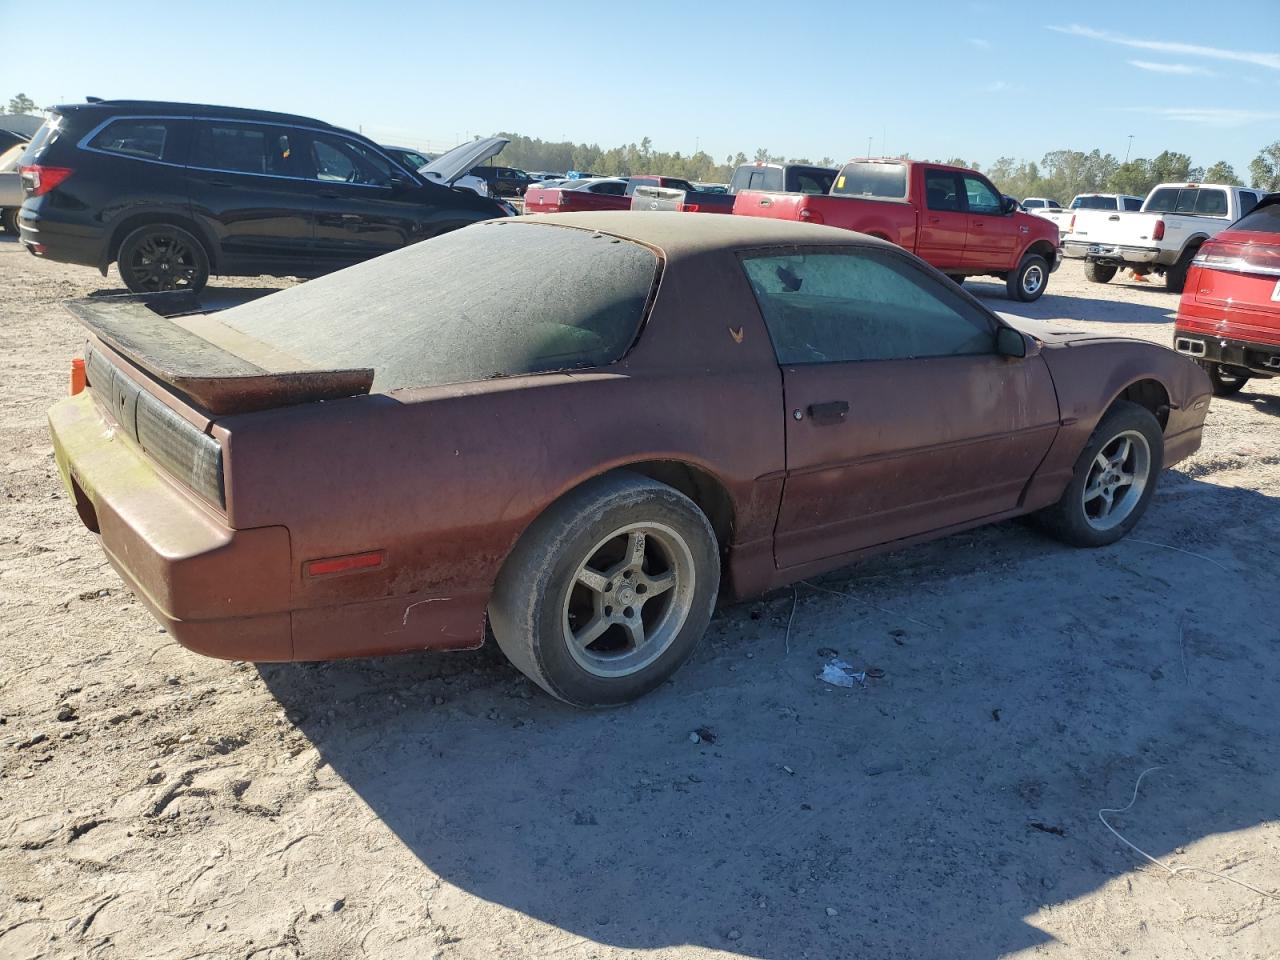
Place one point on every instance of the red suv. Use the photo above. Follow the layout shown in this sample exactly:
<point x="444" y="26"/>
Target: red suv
<point x="1229" y="317"/>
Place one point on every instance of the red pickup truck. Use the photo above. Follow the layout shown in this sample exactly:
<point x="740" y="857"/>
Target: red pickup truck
<point x="948" y="216"/>
<point x="616" y="194"/>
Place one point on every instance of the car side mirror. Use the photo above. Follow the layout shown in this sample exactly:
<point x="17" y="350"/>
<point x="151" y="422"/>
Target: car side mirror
<point x="399" y="181"/>
<point x="1008" y="205"/>
<point x="1010" y="342"/>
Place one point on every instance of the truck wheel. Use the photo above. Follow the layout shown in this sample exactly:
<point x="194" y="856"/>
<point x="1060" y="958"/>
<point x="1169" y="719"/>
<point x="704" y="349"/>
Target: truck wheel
<point x="1027" y="283"/>
<point x="1225" y="383"/>
<point x="161" y="256"/>
<point x="1114" y="479"/>
<point x="1175" y="278"/>
<point x="1098" y="272"/>
<point x="608" y="592"/>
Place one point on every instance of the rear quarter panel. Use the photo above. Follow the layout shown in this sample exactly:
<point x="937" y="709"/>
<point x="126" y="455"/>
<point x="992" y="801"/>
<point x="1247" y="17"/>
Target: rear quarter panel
<point x="890" y="220"/>
<point x="445" y="479"/>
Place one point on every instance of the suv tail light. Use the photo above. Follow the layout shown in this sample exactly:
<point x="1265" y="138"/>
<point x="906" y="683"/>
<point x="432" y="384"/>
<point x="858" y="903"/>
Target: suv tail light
<point x="811" y="216"/>
<point x="39" y="179"/>
<point x="1158" y="232"/>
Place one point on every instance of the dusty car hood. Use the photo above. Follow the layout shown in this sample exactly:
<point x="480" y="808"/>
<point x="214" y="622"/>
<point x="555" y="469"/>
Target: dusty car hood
<point x="1054" y="333"/>
<point x="451" y="165"/>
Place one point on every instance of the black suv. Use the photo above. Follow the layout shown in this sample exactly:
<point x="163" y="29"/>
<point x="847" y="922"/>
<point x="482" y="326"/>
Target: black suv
<point x="504" y="181"/>
<point x="174" y="192"/>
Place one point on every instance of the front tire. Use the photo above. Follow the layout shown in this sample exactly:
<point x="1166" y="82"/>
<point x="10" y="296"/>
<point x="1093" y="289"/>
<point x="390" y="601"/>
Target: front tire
<point x="1098" y="272"/>
<point x="1028" y="282"/>
<point x="1225" y="383"/>
<point x="1114" y="479"/>
<point x="159" y="257"/>
<point x="608" y="592"/>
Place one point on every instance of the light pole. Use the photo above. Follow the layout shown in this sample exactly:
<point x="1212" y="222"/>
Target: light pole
<point x="1128" y="149"/>
<point x="868" y="146"/>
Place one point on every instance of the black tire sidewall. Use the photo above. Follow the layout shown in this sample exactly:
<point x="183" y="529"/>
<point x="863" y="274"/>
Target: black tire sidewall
<point x="128" y="244"/>
<point x="1221" y="387"/>
<point x="1070" y="519"/>
<point x="1015" y="288"/>
<point x="1099" y="273"/>
<point x="550" y="560"/>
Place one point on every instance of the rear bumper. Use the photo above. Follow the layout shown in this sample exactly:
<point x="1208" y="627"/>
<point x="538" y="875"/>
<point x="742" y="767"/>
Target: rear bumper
<point x="1110" y="253"/>
<point x="1259" y="359"/>
<point x="59" y="240"/>
<point x="220" y="592"/>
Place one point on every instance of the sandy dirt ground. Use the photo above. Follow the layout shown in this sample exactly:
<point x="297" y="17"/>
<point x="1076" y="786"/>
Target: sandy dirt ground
<point x="156" y="804"/>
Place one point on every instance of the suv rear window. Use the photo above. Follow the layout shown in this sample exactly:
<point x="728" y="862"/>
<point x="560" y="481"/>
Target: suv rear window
<point x="886" y="181"/>
<point x="1205" y="203"/>
<point x="143" y="139"/>
<point x="1263" y="219"/>
<point x="442" y="311"/>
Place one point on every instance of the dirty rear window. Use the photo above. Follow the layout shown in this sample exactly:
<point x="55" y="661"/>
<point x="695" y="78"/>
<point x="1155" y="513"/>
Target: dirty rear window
<point x="486" y="301"/>
<point x="885" y="181"/>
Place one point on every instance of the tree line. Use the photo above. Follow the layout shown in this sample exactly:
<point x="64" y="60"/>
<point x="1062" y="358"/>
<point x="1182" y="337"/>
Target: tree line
<point x="1060" y="174"/>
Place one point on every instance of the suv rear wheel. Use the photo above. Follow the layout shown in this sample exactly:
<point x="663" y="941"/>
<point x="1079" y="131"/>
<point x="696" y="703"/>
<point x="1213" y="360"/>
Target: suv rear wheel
<point x="162" y="256"/>
<point x="1098" y="272"/>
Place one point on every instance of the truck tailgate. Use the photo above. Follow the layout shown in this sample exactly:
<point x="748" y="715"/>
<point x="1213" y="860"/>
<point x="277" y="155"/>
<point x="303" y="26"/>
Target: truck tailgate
<point x="777" y="206"/>
<point x="1114" y="227"/>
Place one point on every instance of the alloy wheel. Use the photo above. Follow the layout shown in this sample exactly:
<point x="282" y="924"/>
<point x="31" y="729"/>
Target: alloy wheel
<point x="1117" y="477"/>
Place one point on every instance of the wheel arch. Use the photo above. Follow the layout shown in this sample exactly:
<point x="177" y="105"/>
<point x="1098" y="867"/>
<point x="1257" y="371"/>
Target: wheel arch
<point x="1146" y="392"/>
<point x="1040" y="247"/>
<point x="1193" y="243"/>
<point x="111" y="250"/>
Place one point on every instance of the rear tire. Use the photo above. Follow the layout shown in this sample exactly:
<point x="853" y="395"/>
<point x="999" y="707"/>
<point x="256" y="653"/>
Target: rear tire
<point x="159" y="257"/>
<point x="1112" y="483"/>
<point x="608" y="592"/>
<point x="1225" y="384"/>
<point x="1098" y="272"/>
<point x="9" y="219"/>
<point x="1175" y="278"/>
<point x="1029" y="281"/>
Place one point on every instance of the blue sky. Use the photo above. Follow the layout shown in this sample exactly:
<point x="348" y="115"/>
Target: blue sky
<point x="972" y="79"/>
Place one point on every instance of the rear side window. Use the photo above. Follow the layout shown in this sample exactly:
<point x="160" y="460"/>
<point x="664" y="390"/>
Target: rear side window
<point x="1264" y="219"/>
<point x="1132" y="203"/>
<point x="941" y="190"/>
<point x="243" y="148"/>
<point x="757" y="178"/>
<point x="836" y="307"/>
<point x="1247" y="202"/>
<point x="810" y="180"/>
<point x="442" y="311"/>
<point x="884" y="181"/>
<point x="143" y="139"/>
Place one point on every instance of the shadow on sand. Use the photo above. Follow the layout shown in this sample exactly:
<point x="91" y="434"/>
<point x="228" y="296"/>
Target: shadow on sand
<point x="934" y="811"/>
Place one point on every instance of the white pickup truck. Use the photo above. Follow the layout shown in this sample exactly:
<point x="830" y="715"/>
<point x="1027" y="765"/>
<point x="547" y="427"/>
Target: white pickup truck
<point x="1066" y="219"/>
<point x="1175" y="219"/>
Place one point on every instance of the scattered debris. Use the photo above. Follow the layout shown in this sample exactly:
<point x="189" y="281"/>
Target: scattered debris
<point x="733" y="934"/>
<point x="890" y="766"/>
<point x="337" y="904"/>
<point x="67" y="713"/>
<point x="995" y="714"/>
<point x="832" y="911"/>
<point x="788" y="770"/>
<point x="703" y="735"/>
<point x="1047" y="828"/>
<point x="32" y="741"/>
<point x="840" y="674"/>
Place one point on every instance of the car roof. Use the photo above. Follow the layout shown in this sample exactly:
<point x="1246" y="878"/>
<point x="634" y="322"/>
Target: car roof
<point x="686" y="234"/>
<point x="188" y="110"/>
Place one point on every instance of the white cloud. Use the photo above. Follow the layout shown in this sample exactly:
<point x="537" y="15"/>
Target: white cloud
<point x="979" y="43"/>
<point x="1259" y="59"/>
<point x="998" y="87"/>
<point x="1209" y="116"/>
<point x="1182" y="69"/>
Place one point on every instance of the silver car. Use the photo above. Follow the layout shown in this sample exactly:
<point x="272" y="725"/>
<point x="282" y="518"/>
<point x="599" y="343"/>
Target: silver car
<point x="11" y="192"/>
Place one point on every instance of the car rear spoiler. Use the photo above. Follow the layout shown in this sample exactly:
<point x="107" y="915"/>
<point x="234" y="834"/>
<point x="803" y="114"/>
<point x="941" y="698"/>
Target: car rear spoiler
<point x="172" y="340"/>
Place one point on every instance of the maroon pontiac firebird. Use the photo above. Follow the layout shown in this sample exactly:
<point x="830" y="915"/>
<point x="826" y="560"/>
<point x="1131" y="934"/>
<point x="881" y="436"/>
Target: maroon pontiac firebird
<point x="583" y="429"/>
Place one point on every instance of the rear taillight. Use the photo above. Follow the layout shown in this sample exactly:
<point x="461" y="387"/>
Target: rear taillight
<point x="1211" y="253"/>
<point x="40" y="179"/>
<point x="811" y="216"/>
<point x="1157" y="233"/>
<point x="563" y="200"/>
<point x="691" y="208"/>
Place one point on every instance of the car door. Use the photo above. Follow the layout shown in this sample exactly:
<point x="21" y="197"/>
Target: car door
<point x="901" y="418"/>
<point x="245" y="187"/>
<point x="944" y="224"/>
<point x="993" y="238"/>
<point x="360" y="212"/>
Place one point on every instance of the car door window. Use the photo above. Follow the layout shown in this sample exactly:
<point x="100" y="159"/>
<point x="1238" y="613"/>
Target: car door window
<point x="838" y="306"/>
<point x="612" y="189"/>
<point x="941" y="190"/>
<point x="982" y="199"/>
<point x="143" y="139"/>
<point x="243" y="148"/>
<point x="1211" y="203"/>
<point x="339" y="160"/>
<point x="1132" y="203"/>
<point x="1247" y="202"/>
